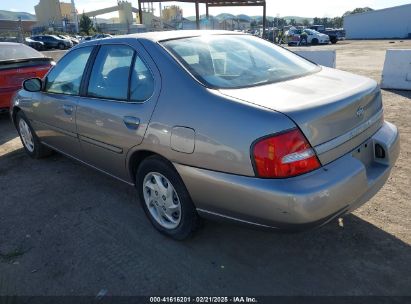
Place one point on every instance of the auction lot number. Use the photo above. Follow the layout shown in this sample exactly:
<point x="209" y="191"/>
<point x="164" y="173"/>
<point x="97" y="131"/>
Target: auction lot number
<point x="203" y="300"/>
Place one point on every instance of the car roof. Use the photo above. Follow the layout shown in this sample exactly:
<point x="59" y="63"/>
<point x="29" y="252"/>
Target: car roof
<point x="158" y="36"/>
<point x="169" y="35"/>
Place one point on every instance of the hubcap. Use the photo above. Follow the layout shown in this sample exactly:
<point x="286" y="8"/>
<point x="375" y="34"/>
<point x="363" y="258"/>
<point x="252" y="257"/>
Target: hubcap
<point x="26" y="135"/>
<point x="162" y="200"/>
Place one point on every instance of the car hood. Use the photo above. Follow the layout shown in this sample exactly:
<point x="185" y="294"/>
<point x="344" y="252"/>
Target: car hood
<point x="324" y="105"/>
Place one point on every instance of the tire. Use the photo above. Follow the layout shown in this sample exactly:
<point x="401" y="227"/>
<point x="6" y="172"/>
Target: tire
<point x="29" y="139"/>
<point x="314" y="41"/>
<point x="170" y="209"/>
<point x="61" y="46"/>
<point x="334" y="40"/>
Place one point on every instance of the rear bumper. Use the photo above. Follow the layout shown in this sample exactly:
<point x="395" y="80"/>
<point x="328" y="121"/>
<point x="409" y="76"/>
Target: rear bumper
<point x="307" y="200"/>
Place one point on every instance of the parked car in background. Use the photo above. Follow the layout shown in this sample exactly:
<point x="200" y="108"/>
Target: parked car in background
<point x="214" y="123"/>
<point x="9" y="39"/>
<point x="85" y="39"/>
<point x="37" y="45"/>
<point x="53" y="42"/>
<point x="334" y="34"/>
<point x="17" y="63"/>
<point x="75" y="41"/>
<point x="101" y="36"/>
<point x="313" y="37"/>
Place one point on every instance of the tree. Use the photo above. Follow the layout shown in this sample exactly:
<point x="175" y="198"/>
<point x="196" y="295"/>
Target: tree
<point x="316" y="21"/>
<point x="86" y="25"/>
<point x="293" y="22"/>
<point x="358" y="10"/>
<point x="338" y="22"/>
<point x="278" y="22"/>
<point x="306" y="22"/>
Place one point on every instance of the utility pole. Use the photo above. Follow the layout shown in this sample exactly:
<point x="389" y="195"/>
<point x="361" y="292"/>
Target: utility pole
<point x="161" y="16"/>
<point x="20" y="30"/>
<point x="74" y="16"/>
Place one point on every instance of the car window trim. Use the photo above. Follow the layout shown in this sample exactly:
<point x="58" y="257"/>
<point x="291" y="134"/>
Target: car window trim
<point x="130" y="74"/>
<point x="43" y="90"/>
<point x="87" y="71"/>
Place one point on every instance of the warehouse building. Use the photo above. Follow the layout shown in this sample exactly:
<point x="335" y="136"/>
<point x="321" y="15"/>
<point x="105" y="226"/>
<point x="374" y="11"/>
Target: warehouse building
<point x="393" y="22"/>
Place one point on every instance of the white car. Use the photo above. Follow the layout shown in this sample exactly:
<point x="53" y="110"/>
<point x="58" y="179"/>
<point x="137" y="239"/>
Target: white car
<point x="315" y="37"/>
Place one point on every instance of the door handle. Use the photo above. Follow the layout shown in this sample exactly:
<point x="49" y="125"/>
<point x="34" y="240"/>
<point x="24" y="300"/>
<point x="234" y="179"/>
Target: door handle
<point x="68" y="109"/>
<point x="131" y="122"/>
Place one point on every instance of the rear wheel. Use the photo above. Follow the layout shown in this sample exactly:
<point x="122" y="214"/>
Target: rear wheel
<point x="165" y="199"/>
<point x="314" y="41"/>
<point x="61" y="46"/>
<point x="29" y="139"/>
<point x="333" y="40"/>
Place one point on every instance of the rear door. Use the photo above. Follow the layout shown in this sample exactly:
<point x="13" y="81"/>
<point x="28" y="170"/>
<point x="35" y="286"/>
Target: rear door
<point x="54" y="111"/>
<point x="121" y="93"/>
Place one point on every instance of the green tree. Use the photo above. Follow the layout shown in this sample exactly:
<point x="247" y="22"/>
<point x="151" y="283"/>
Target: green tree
<point x="86" y="25"/>
<point x="293" y="22"/>
<point x="338" y="22"/>
<point x="306" y="22"/>
<point x="358" y="10"/>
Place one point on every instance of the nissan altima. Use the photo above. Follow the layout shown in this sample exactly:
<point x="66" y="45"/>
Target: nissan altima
<point x="214" y="124"/>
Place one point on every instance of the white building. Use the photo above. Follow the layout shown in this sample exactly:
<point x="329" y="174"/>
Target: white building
<point x="393" y="22"/>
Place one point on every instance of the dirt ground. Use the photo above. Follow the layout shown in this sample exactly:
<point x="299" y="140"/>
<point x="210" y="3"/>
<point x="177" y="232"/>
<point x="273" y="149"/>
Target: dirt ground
<point x="66" y="229"/>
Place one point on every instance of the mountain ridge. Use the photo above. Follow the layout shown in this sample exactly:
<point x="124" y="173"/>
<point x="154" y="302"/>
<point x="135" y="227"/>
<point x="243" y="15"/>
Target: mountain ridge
<point x="9" y="15"/>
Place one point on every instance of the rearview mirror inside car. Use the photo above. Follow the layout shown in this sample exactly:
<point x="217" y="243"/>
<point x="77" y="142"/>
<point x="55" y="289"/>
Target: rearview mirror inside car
<point x="32" y="84"/>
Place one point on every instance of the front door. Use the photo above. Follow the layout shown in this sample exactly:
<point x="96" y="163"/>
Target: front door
<point x="54" y="112"/>
<point x="113" y="116"/>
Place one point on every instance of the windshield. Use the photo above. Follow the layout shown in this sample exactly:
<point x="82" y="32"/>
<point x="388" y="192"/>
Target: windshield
<point x="18" y="51"/>
<point x="235" y="61"/>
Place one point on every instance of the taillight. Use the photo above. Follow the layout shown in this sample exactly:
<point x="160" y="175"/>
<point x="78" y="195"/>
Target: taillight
<point x="284" y="155"/>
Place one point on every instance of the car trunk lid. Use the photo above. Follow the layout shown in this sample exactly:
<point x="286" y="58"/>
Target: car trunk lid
<point x="335" y="110"/>
<point x="14" y="72"/>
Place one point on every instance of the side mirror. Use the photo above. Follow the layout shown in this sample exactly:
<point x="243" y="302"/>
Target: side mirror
<point x="32" y="85"/>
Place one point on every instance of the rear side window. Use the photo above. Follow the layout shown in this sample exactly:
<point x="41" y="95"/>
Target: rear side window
<point x="65" y="77"/>
<point x="142" y="82"/>
<point x="110" y="74"/>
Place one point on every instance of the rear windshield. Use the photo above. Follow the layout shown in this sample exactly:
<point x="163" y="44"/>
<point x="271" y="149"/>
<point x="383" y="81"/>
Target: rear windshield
<point x="236" y="61"/>
<point x="18" y="51"/>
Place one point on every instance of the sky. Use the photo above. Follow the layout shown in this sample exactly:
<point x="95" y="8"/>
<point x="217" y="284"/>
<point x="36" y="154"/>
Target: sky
<point x="302" y="8"/>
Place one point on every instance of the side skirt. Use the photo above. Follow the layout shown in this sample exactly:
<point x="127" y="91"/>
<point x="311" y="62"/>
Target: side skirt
<point x="87" y="164"/>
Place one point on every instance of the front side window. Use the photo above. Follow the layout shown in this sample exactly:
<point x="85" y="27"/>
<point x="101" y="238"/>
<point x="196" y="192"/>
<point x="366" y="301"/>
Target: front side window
<point x="235" y="61"/>
<point x="110" y="74"/>
<point x="65" y="77"/>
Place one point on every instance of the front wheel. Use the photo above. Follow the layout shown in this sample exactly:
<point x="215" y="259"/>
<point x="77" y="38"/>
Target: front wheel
<point x="165" y="199"/>
<point x="29" y="139"/>
<point x="61" y="46"/>
<point x="314" y="41"/>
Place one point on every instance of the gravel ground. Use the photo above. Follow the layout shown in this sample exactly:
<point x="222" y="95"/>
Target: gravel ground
<point x="66" y="229"/>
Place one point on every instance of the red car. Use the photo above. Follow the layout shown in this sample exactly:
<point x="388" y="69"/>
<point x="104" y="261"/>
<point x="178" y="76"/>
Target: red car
<point x="17" y="63"/>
